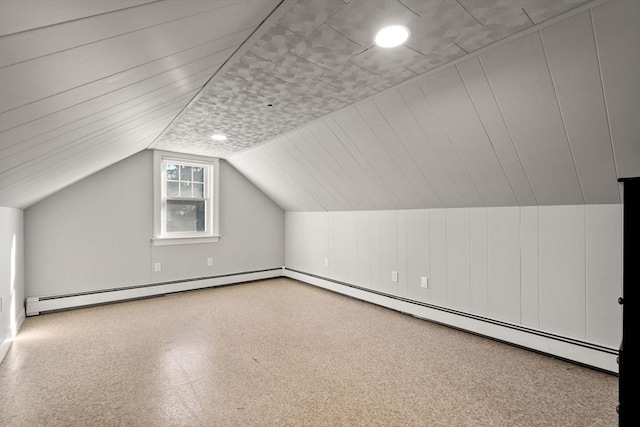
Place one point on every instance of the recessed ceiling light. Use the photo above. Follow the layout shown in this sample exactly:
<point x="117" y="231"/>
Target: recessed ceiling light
<point x="392" y="36"/>
<point x="219" y="137"/>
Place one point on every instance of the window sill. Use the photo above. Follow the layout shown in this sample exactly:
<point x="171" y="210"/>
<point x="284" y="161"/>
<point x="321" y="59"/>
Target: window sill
<point x="167" y="241"/>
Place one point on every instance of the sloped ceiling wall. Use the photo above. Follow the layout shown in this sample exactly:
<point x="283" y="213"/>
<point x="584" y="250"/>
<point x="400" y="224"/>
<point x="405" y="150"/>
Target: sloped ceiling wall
<point x="549" y="118"/>
<point x="85" y="84"/>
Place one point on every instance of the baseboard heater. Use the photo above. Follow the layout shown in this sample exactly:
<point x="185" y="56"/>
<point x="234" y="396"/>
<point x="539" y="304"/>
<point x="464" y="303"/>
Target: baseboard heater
<point x="43" y="304"/>
<point x="576" y="351"/>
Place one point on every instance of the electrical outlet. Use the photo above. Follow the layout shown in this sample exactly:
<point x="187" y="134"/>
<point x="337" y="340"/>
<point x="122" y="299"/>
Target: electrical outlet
<point x="209" y="262"/>
<point x="394" y="276"/>
<point x="326" y="262"/>
<point x="424" y="282"/>
<point x="157" y="266"/>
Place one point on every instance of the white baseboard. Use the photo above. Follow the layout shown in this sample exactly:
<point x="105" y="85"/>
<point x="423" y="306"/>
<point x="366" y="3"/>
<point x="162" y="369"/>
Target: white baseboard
<point x="37" y="305"/>
<point x="565" y="348"/>
<point x="4" y="346"/>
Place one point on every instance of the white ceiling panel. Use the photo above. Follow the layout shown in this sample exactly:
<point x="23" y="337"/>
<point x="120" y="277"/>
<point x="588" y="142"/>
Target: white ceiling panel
<point x="56" y="38"/>
<point x="548" y="114"/>
<point x="326" y="162"/>
<point x="48" y="75"/>
<point x="617" y="33"/>
<point x="519" y="76"/>
<point x="401" y="110"/>
<point x="337" y="200"/>
<point x="406" y="165"/>
<point x="367" y="143"/>
<point x="20" y="15"/>
<point x="485" y="104"/>
<point x="571" y="53"/>
<point x="458" y="116"/>
<point x="423" y="111"/>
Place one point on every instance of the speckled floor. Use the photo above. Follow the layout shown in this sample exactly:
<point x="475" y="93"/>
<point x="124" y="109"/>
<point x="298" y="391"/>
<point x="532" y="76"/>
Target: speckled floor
<point x="282" y="353"/>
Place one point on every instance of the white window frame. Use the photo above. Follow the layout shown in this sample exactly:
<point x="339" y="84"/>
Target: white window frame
<point x="211" y="190"/>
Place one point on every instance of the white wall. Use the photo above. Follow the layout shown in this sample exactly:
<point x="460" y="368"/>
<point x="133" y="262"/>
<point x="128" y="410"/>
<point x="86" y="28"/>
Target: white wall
<point x="96" y="233"/>
<point x="556" y="269"/>
<point x="11" y="275"/>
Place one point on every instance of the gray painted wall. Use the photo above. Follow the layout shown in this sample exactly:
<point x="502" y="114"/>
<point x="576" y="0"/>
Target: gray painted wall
<point x="96" y="234"/>
<point x="11" y="274"/>
<point x="552" y="268"/>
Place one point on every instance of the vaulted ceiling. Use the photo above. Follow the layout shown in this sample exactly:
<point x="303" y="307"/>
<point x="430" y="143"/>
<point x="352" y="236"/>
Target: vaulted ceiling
<point x="489" y="103"/>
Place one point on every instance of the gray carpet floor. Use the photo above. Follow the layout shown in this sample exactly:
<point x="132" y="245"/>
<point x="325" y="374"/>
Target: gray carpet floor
<point x="282" y="353"/>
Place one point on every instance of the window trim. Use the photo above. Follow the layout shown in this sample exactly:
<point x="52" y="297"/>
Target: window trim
<point x="211" y="185"/>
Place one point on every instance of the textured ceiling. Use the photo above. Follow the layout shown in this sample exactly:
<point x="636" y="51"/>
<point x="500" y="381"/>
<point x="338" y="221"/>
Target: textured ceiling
<point x="549" y="118"/>
<point x="319" y="57"/>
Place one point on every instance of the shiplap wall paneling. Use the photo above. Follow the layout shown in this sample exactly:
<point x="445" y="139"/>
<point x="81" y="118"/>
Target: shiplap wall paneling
<point x="438" y="256"/>
<point x="617" y="31"/>
<point x="403" y="112"/>
<point x="338" y="246"/>
<point x="366" y="142"/>
<point x="385" y="199"/>
<point x="493" y="123"/>
<point x="403" y="270"/>
<point x="520" y="78"/>
<point x="397" y="151"/>
<point x="562" y="270"/>
<point x="294" y="240"/>
<point x="417" y="254"/>
<point x="435" y="133"/>
<point x="478" y="261"/>
<point x="389" y="251"/>
<point x="460" y="121"/>
<point x="376" y="251"/>
<point x="316" y="248"/>
<point x="352" y="247"/>
<point x="458" y="264"/>
<point x="504" y="299"/>
<point x="571" y="53"/>
<point x="363" y="236"/>
<point x="604" y="274"/>
<point x="530" y="236"/>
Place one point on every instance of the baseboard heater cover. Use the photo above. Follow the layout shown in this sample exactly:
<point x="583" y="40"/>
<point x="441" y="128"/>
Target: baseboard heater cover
<point x="43" y="304"/>
<point x="584" y="353"/>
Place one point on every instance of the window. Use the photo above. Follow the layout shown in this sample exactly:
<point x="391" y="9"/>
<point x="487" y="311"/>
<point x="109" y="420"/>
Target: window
<point x="186" y="199"/>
